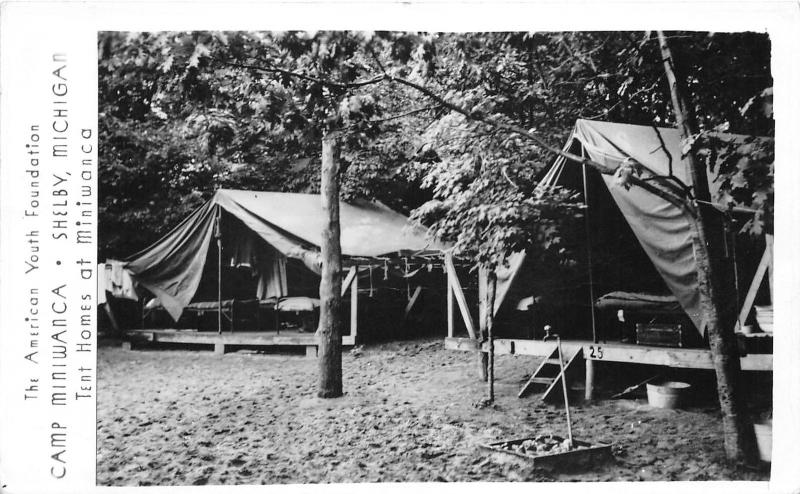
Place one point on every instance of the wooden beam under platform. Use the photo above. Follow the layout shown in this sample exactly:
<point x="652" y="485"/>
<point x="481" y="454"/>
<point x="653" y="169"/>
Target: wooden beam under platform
<point x="689" y="358"/>
<point x="455" y="286"/>
<point x="223" y="340"/>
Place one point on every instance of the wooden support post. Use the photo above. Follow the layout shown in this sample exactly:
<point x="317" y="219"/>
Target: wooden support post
<point x="483" y="304"/>
<point x="459" y="294"/>
<point x="351" y="274"/>
<point x="219" y="348"/>
<point x="111" y="317"/>
<point x="354" y="303"/>
<point x="589" y="393"/>
<point x="412" y="301"/>
<point x="218" y="233"/>
<point x="770" y="267"/>
<point x="483" y="296"/>
<point x="450" y="303"/>
<point x="311" y="351"/>
<point x="754" y="286"/>
<point x="126" y="345"/>
<point x="492" y="291"/>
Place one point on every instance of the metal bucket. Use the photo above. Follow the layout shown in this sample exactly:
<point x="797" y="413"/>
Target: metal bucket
<point x="764" y="440"/>
<point x="670" y="394"/>
<point x="764" y="318"/>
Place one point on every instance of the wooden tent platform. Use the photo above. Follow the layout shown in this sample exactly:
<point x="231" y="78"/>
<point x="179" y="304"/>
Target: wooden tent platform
<point x="226" y="339"/>
<point x="688" y="358"/>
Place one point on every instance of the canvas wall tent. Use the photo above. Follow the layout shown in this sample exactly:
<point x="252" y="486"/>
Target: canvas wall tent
<point x="662" y="229"/>
<point x="289" y="224"/>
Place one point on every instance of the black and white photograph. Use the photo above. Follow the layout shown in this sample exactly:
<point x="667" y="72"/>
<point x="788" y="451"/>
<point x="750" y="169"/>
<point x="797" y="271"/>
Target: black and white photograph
<point x="303" y="246"/>
<point x="407" y="256"/>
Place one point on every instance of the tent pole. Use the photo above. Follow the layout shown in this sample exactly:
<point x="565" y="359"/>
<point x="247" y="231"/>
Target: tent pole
<point x="589" y="248"/>
<point x="219" y="271"/>
<point x="450" y="304"/>
<point x="354" y="306"/>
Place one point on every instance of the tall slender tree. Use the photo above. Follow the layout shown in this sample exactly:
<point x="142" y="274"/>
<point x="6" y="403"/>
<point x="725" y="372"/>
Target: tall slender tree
<point x="715" y="299"/>
<point x="329" y="332"/>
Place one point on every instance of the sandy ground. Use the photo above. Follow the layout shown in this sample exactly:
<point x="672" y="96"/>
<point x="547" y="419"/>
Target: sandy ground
<point x="182" y="417"/>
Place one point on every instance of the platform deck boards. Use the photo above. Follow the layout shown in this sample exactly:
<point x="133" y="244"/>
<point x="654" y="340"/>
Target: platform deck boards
<point x="690" y="358"/>
<point x="237" y="338"/>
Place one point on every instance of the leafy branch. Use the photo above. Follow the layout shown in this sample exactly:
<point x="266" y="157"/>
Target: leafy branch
<point x="676" y="198"/>
<point x="305" y="77"/>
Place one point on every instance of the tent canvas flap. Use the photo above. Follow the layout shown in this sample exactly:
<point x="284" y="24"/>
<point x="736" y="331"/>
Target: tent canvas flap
<point x="290" y="223"/>
<point x="663" y="229"/>
<point x="171" y="268"/>
<point x="367" y="229"/>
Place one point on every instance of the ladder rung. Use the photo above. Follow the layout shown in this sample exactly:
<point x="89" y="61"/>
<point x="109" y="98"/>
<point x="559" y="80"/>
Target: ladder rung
<point x="543" y="380"/>
<point x="552" y="361"/>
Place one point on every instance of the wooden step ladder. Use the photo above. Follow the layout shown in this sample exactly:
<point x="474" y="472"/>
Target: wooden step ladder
<point x="548" y="374"/>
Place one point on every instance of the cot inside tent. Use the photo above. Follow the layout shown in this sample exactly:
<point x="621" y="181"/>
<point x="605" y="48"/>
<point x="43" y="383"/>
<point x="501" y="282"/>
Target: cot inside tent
<point x="272" y="230"/>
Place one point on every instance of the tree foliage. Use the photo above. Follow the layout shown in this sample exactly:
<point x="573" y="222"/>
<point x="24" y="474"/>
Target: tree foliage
<point x="185" y="113"/>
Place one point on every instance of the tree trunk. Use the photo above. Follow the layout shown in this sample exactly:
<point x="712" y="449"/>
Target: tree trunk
<point x="483" y="363"/>
<point x="492" y="289"/>
<point x="716" y="300"/>
<point x="483" y="319"/>
<point x="329" y="332"/>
